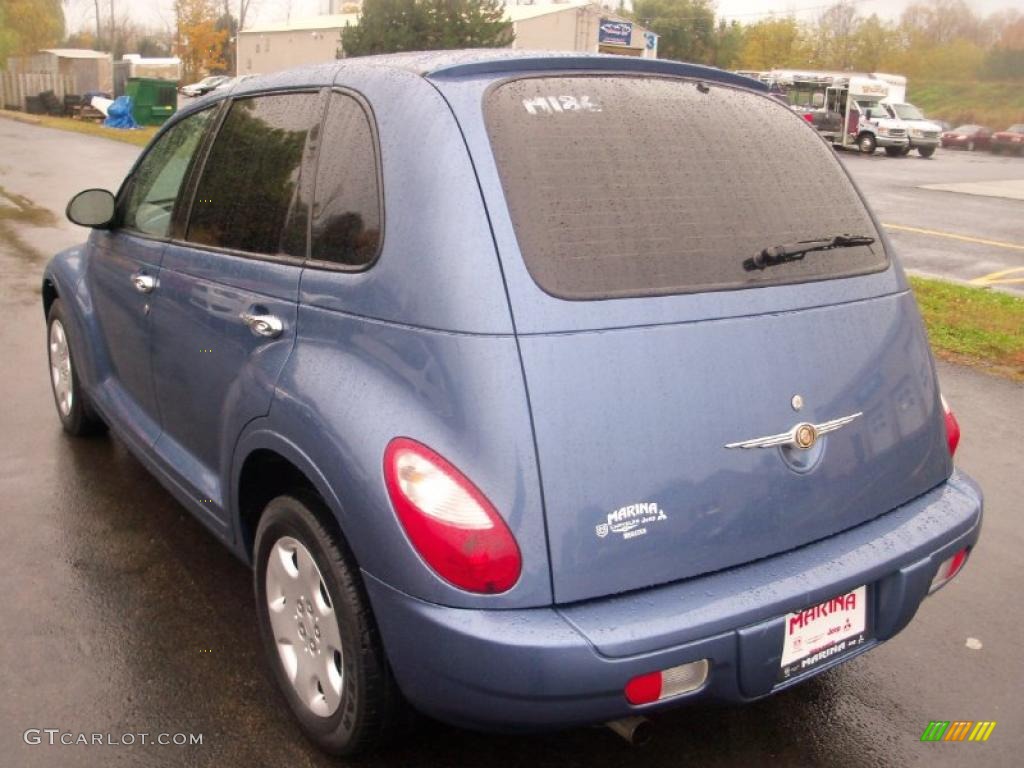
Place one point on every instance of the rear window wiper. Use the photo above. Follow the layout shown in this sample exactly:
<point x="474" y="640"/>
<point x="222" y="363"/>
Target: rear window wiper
<point x="780" y="254"/>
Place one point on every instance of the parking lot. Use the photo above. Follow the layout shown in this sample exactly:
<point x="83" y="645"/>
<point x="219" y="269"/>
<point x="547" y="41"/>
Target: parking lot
<point x="956" y="215"/>
<point x="122" y="615"/>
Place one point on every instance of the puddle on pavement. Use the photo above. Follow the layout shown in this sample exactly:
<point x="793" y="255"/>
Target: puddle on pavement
<point x="17" y="210"/>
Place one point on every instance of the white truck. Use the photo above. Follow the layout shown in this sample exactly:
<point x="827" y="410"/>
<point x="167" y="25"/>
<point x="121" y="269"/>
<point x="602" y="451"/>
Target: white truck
<point x="924" y="135"/>
<point x="846" y="109"/>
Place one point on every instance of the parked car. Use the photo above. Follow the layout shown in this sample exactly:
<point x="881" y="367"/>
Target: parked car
<point x="204" y="86"/>
<point x="969" y="137"/>
<point x="595" y="408"/>
<point x="1010" y="140"/>
<point x="924" y="134"/>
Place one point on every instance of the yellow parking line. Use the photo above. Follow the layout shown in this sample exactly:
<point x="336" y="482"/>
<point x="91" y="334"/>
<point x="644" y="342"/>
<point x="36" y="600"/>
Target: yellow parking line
<point x="952" y="236"/>
<point x="1000" y="277"/>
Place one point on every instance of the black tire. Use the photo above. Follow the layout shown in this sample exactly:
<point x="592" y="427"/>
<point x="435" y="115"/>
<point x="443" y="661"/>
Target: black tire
<point x="80" y="420"/>
<point x="866" y="144"/>
<point x="906" y="150"/>
<point x="371" y="709"/>
<point x="926" y="151"/>
<point x="996" y="149"/>
<point x="895" y="151"/>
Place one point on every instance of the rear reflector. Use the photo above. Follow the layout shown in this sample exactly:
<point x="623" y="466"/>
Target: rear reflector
<point x="952" y="426"/>
<point x="449" y="521"/>
<point x="657" y="686"/>
<point x="949" y="568"/>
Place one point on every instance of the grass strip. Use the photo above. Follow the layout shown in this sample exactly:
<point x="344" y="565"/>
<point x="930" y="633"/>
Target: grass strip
<point x="138" y="136"/>
<point x="973" y="326"/>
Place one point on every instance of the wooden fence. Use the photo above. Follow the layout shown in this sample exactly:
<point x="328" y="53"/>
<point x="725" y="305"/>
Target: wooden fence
<point x="15" y="87"/>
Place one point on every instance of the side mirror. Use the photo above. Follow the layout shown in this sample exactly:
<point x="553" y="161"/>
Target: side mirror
<point x="91" y="208"/>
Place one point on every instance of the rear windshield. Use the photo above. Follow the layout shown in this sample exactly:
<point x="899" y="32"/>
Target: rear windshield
<point x="639" y="186"/>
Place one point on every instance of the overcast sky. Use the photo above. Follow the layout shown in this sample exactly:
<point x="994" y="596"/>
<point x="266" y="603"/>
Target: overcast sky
<point x="80" y="13"/>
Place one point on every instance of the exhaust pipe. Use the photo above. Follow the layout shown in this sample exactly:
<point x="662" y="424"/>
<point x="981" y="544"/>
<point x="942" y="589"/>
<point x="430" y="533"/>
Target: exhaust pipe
<point x="635" y="730"/>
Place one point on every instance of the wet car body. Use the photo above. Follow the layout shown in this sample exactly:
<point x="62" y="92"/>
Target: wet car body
<point x="604" y="415"/>
<point x="1011" y="140"/>
<point x="969" y="137"/>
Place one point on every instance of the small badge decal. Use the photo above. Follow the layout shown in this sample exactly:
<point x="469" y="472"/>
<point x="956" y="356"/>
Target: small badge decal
<point x="631" y="520"/>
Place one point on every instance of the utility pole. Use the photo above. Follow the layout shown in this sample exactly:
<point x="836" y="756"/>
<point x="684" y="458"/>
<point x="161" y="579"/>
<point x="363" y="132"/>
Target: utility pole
<point x="113" y="40"/>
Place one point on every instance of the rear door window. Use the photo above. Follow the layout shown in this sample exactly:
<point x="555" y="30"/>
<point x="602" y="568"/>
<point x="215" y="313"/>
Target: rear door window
<point x="621" y="186"/>
<point x="254" y="192"/>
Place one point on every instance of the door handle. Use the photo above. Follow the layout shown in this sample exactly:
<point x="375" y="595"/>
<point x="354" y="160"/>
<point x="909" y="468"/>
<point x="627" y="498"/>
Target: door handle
<point x="143" y="283"/>
<point x="264" y="324"/>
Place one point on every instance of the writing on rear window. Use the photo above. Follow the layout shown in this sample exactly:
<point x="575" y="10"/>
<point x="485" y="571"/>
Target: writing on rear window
<point x="551" y="105"/>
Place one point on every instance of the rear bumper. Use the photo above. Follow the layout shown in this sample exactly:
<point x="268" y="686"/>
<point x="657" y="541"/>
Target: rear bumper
<point x="557" y="667"/>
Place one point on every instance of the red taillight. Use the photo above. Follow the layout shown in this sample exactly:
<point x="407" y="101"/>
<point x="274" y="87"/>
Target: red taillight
<point x="644" y="689"/>
<point x="809" y="117"/>
<point x="667" y="683"/>
<point x="952" y="427"/>
<point x="450" y="523"/>
<point x="949" y="568"/>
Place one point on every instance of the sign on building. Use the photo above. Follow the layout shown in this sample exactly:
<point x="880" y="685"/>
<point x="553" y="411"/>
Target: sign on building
<point x="615" y="32"/>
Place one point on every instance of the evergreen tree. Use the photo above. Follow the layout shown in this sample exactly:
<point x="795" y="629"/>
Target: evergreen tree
<point x="388" y="26"/>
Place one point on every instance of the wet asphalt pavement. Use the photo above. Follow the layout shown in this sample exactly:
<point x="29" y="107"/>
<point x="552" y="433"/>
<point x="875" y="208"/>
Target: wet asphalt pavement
<point x="121" y="615"/>
<point x="970" y="237"/>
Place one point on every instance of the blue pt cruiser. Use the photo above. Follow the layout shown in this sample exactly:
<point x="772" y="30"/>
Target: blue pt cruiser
<point x="538" y="390"/>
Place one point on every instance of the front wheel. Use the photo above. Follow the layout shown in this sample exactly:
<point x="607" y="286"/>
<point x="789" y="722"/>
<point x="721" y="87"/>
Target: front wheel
<point x="76" y="414"/>
<point x="926" y="151"/>
<point x="318" y="631"/>
<point x="866" y="144"/>
<point x="895" y="151"/>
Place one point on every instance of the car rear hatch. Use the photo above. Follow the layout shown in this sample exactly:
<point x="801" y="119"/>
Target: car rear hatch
<point x="625" y="208"/>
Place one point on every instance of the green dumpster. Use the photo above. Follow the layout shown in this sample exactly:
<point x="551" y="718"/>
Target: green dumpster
<point x="153" y="100"/>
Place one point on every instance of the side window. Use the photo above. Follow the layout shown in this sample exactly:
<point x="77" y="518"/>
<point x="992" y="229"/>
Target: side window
<point x="252" y="195"/>
<point x="346" y="209"/>
<point x="154" y="187"/>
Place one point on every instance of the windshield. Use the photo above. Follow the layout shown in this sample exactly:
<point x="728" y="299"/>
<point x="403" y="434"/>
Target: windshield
<point x="907" y="112"/>
<point x="638" y="186"/>
<point x="1018" y="128"/>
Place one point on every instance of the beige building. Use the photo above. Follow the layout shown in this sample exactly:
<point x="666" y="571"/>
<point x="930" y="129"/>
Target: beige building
<point x="576" y="25"/>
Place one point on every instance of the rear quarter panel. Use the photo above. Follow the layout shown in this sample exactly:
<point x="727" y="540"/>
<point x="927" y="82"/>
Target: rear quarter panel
<point x="421" y="345"/>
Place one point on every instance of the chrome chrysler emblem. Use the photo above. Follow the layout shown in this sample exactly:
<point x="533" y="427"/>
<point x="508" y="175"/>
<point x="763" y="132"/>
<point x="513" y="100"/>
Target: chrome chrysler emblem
<point x="802" y="436"/>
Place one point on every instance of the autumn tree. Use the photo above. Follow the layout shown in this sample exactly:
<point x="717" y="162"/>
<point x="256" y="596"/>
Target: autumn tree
<point x="832" y="39"/>
<point x="873" y="43"/>
<point x="1006" y="60"/>
<point x="200" y="44"/>
<point x="685" y="28"/>
<point x="28" y="25"/>
<point x="727" y="44"/>
<point x="388" y="26"/>
<point x="771" y="43"/>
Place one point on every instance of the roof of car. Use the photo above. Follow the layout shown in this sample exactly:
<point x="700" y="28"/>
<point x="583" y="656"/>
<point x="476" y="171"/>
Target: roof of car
<point x="479" y="62"/>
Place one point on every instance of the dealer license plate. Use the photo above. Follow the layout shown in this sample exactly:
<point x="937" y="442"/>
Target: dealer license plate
<point x="822" y="632"/>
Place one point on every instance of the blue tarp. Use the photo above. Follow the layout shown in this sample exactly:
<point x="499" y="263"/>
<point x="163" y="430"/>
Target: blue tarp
<point x="119" y="114"/>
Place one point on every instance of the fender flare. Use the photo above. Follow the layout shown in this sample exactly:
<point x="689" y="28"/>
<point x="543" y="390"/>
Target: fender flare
<point x="257" y="435"/>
